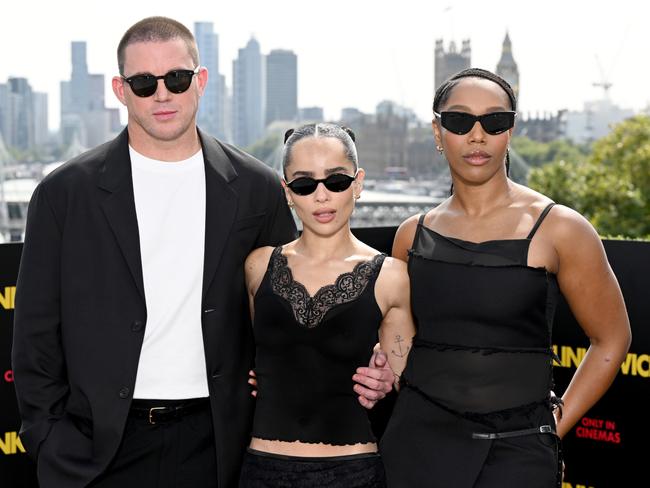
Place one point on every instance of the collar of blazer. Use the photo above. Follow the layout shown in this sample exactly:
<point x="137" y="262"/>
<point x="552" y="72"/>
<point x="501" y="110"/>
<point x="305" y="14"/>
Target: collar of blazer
<point x="117" y="165"/>
<point x="119" y="206"/>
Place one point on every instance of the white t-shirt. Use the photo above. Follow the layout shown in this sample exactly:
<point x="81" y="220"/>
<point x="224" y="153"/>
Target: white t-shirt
<point x="170" y="206"/>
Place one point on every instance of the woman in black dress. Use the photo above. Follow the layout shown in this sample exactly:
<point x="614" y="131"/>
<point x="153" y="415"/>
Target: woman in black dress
<point x="318" y="305"/>
<point x="485" y="266"/>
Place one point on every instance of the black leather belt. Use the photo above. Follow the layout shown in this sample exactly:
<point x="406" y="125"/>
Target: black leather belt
<point x="160" y="411"/>
<point x="542" y="429"/>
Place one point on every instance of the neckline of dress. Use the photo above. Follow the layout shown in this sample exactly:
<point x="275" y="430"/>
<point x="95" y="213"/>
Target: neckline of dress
<point x="284" y="262"/>
<point x="475" y="243"/>
<point x="525" y="240"/>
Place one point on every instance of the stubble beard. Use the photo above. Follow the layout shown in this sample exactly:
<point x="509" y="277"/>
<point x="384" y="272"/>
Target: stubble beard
<point x="160" y="132"/>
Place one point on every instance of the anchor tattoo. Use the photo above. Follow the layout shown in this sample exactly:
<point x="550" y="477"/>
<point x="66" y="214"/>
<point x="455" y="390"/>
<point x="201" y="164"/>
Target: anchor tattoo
<point x="401" y="353"/>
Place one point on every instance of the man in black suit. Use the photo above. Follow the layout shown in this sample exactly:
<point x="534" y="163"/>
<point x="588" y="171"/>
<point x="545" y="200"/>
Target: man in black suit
<point x="132" y="339"/>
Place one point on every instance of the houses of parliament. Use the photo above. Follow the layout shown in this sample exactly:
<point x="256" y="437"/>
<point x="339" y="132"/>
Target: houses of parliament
<point x="447" y="62"/>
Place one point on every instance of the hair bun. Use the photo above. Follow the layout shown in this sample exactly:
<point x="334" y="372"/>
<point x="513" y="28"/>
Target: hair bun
<point x="287" y="134"/>
<point x="349" y="132"/>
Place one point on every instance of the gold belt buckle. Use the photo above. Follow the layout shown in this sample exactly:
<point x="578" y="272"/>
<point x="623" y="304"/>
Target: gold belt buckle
<point x="151" y="410"/>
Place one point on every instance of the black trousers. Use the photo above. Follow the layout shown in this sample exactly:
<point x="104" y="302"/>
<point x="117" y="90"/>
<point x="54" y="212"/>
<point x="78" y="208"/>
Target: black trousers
<point x="176" y="454"/>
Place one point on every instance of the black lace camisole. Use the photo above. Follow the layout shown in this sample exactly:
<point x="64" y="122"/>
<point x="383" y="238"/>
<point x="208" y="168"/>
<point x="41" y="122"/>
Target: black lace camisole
<point x="308" y="348"/>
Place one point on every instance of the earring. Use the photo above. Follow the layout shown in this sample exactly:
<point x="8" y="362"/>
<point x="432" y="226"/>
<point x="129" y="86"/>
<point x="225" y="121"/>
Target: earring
<point x="439" y="149"/>
<point x="290" y="203"/>
<point x="356" y="196"/>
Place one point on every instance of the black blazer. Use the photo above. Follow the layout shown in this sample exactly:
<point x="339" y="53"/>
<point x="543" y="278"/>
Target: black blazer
<point x="80" y="311"/>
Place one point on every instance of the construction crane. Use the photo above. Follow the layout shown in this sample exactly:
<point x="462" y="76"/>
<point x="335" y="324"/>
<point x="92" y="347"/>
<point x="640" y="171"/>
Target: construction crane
<point x="604" y="83"/>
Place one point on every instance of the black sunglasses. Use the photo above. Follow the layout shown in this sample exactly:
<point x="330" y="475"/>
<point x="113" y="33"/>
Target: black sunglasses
<point x="176" y="81"/>
<point x="461" y="122"/>
<point x="306" y="185"/>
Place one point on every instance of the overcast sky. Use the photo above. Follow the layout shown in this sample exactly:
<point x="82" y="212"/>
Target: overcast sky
<point x="355" y="53"/>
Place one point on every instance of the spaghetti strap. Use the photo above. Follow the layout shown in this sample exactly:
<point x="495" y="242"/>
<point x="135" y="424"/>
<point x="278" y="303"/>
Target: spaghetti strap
<point x="418" y="229"/>
<point x="540" y="220"/>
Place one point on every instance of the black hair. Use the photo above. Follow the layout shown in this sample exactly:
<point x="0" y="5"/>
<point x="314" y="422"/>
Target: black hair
<point x="342" y="133"/>
<point x="444" y="92"/>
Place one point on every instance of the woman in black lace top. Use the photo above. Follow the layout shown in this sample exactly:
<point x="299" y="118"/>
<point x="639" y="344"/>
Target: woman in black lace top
<point x="319" y="306"/>
<point x="485" y="267"/>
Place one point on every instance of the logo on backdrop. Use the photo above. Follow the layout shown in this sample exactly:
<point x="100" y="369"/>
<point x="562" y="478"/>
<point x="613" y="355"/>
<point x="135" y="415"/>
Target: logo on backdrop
<point x="598" y="430"/>
<point x="7" y="297"/>
<point x="633" y="365"/>
<point x="11" y="443"/>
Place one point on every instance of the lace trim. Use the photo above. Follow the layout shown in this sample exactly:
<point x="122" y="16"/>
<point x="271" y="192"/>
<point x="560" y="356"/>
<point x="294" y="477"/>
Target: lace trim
<point x="309" y="311"/>
<point x="302" y="441"/>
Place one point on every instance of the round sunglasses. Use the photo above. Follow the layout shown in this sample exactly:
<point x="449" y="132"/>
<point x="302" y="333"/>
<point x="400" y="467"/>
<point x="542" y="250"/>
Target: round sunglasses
<point x="461" y="122"/>
<point x="306" y="185"/>
<point x="176" y="81"/>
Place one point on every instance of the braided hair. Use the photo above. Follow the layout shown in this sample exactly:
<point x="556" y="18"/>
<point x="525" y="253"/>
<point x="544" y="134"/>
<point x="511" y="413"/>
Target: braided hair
<point x="343" y="134"/>
<point x="444" y="92"/>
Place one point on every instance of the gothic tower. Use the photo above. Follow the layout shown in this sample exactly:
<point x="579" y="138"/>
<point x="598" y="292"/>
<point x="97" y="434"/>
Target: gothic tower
<point x="451" y="62"/>
<point x="507" y="67"/>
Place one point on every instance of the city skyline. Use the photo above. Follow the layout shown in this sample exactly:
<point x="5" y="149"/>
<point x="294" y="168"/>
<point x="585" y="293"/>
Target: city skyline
<point x="358" y="54"/>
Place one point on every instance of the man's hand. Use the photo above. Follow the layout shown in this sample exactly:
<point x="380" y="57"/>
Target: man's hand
<point x="252" y="380"/>
<point x="375" y="381"/>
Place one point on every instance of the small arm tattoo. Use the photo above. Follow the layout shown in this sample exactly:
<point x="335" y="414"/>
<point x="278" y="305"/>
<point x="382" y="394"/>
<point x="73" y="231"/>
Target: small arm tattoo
<point x="402" y="350"/>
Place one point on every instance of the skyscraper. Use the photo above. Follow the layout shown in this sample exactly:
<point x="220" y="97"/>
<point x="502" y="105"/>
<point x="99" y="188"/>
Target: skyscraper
<point x="248" y="95"/>
<point x="451" y="62"/>
<point x="281" y="85"/>
<point x="507" y="67"/>
<point x="226" y="96"/>
<point x="83" y="112"/>
<point x="79" y="93"/>
<point x="211" y="108"/>
<point x="5" y="115"/>
<point x="22" y="114"/>
<point x="41" y="131"/>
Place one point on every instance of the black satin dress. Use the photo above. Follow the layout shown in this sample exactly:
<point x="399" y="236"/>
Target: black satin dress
<point x="475" y="407"/>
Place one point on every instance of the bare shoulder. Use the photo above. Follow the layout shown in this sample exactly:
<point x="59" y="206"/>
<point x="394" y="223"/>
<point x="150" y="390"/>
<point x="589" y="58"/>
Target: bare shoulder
<point x="566" y="226"/>
<point x="393" y="279"/>
<point x="404" y="237"/>
<point x="576" y="242"/>
<point x="394" y="268"/>
<point x="259" y="255"/>
<point x="256" y="264"/>
<point x="408" y="226"/>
